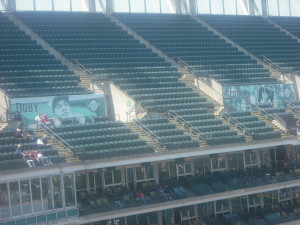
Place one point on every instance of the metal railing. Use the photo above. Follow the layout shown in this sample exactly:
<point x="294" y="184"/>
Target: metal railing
<point x="293" y="107"/>
<point x="147" y="130"/>
<point x="272" y="64"/>
<point x="236" y="123"/>
<point x="270" y="116"/>
<point x="50" y="132"/>
<point x="186" y="124"/>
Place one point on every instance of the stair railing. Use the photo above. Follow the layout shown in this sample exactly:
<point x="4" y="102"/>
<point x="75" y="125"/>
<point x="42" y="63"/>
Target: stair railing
<point x="56" y="136"/>
<point x="236" y="123"/>
<point x="270" y="116"/>
<point x="186" y="124"/>
<point x="293" y="107"/>
<point x="147" y="130"/>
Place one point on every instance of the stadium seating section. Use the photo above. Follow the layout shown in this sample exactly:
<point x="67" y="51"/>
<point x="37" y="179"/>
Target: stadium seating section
<point x="259" y="37"/>
<point x="27" y="70"/>
<point x="166" y="133"/>
<point x="181" y="37"/>
<point x="9" y="159"/>
<point x="101" y="139"/>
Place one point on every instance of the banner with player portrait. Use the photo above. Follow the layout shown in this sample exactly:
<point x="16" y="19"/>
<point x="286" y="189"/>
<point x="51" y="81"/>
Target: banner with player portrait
<point x="59" y="108"/>
<point x="242" y="97"/>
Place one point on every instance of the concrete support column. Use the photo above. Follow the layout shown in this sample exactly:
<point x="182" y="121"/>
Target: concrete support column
<point x="92" y="6"/>
<point x="178" y="6"/>
<point x="193" y="9"/>
<point x="160" y="217"/>
<point x="11" y="5"/>
<point x="109" y="6"/>
<point x="252" y="7"/>
<point x="264" y="7"/>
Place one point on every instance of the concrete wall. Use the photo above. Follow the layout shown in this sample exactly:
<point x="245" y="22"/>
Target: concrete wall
<point x="297" y="85"/>
<point x="121" y="104"/>
<point x="4" y="103"/>
<point x="210" y="91"/>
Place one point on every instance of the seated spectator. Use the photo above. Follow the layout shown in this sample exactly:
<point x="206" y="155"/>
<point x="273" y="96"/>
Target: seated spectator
<point x="161" y="192"/>
<point x="142" y="199"/>
<point x="28" y="159"/>
<point x="27" y="137"/>
<point x="140" y="194"/>
<point x="46" y="120"/>
<point x="42" y="141"/>
<point x="18" y="133"/>
<point x="19" y="149"/>
<point x="40" y="157"/>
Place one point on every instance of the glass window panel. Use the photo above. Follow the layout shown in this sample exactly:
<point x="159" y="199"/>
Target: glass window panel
<point x="236" y="205"/>
<point x="140" y="173"/>
<point x="232" y="161"/>
<point x="24" y="5"/>
<point x="168" y="6"/>
<point x="240" y="161"/>
<point x="163" y="173"/>
<point x="172" y="169"/>
<point x="25" y="196"/>
<point x="101" y="7"/>
<point x="216" y="6"/>
<point x="230" y="7"/>
<point x="57" y="191"/>
<point x="198" y="166"/>
<point x="254" y="200"/>
<point x="244" y="203"/>
<point x="108" y="179"/>
<point x="258" y="7"/>
<point x="98" y="179"/>
<point x="137" y="6"/>
<point x="295" y="7"/>
<point x="15" y="198"/>
<point x="121" y="5"/>
<point x="152" y="6"/>
<point x="43" y="5"/>
<point x="243" y="7"/>
<point x="210" y="209"/>
<point x="149" y="172"/>
<point x="273" y="8"/>
<point x="180" y="169"/>
<point x="62" y="5"/>
<point x="46" y="193"/>
<point x="203" y="6"/>
<point x="222" y="205"/>
<point x="69" y="190"/>
<point x="81" y="181"/>
<point x="117" y="177"/>
<point x="207" y="165"/>
<point x="36" y="195"/>
<point x="284" y="8"/>
<point x="202" y="210"/>
<point x="91" y="180"/>
<point x="80" y="5"/>
<point x="4" y="203"/>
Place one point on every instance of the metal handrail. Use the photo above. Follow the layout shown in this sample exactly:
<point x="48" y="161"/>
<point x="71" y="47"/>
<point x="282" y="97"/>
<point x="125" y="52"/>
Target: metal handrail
<point x="272" y="64"/>
<point x="147" y="130"/>
<point x="186" y="124"/>
<point x="293" y="107"/>
<point x="56" y="136"/>
<point x="237" y="123"/>
<point x="268" y="115"/>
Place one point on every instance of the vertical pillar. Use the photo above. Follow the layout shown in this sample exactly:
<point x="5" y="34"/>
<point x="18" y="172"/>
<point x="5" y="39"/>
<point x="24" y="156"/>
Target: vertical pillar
<point x="178" y="6"/>
<point x="156" y="174"/>
<point x="11" y="5"/>
<point x="160" y="217"/>
<point x="193" y="9"/>
<point x="252" y="7"/>
<point x="109" y="6"/>
<point x="264" y="7"/>
<point x="92" y="6"/>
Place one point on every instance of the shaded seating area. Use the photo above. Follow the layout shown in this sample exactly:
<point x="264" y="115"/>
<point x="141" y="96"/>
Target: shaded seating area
<point x="27" y="70"/>
<point x="291" y="24"/>
<point x="261" y="38"/>
<point x="101" y="139"/>
<point x="13" y="148"/>
<point x="166" y="133"/>
<point x="181" y="37"/>
<point x="251" y="125"/>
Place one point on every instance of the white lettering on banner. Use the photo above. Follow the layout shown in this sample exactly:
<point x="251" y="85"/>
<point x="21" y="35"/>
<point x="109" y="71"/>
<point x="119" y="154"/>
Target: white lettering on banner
<point x="236" y="94"/>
